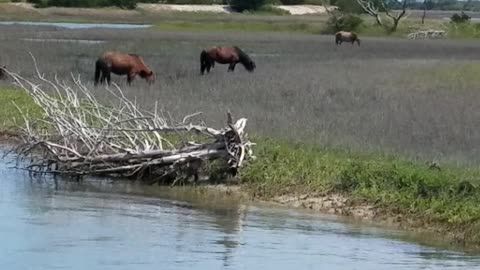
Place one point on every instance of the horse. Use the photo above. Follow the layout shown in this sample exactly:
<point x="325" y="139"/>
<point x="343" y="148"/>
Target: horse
<point x="122" y="64"/>
<point x="225" y="55"/>
<point x="3" y="73"/>
<point x="343" y="36"/>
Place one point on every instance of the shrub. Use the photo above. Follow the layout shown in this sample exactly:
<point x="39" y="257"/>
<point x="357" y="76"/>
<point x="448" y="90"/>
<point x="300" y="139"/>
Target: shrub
<point x="343" y="22"/>
<point x="242" y="5"/>
<point x="460" y="18"/>
<point x="348" y="6"/>
<point x="194" y="2"/>
<point x="292" y="2"/>
<point x="129" y="4"/>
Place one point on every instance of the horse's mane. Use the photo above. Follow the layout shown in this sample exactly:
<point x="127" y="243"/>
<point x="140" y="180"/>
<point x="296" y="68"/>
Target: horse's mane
<point x="140" y="60"/>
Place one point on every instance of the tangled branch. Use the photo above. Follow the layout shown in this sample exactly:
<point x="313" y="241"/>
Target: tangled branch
<point x="78" y="135"/>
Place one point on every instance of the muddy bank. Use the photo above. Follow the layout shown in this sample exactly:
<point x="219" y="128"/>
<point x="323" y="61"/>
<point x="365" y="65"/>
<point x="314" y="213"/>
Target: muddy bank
<point x="331" y="204"/>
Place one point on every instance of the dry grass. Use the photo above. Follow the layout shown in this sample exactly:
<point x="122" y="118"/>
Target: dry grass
<point x="414" y="97"/>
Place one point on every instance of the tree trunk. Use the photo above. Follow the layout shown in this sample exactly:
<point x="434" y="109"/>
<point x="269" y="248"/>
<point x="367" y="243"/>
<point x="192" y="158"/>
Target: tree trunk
<point x="424" y="11"/>
<point x="378" y="20"/>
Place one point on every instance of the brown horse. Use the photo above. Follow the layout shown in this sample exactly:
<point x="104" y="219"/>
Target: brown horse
<point x="343" y="36"/>
<point x="225" y="55"/>
<point x="122" y="64"/>
<point x="3" y="73"/>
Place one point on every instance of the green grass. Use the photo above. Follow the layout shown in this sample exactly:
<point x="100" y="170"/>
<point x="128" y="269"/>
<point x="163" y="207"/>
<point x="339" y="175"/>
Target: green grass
<point x="446" y="199"/>
<point x="13" y="100"/>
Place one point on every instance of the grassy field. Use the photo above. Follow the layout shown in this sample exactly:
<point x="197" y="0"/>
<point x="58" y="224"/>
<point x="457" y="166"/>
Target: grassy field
<point x="355" y="120"/>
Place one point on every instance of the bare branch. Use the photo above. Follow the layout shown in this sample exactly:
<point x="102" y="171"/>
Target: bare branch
<point x="85" y="137"/>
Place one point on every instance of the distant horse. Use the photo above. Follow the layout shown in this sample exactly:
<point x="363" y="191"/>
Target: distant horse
<point x="343" y="36"/>
<point x="122" y="64"/>
<point x="225" y="55"/>
<point x="3" y="73"/>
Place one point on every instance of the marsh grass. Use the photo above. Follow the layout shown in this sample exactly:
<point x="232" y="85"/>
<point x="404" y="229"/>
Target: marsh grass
<point x="416" y="98"/>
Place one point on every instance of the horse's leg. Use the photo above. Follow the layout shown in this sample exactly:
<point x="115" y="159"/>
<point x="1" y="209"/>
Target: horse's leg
<point x="130" y="77"/>
<point x="231" y="67"/>
<point x="107" y="76"/>
<point x="103" y="76"/>
<point x="208" y="67"/>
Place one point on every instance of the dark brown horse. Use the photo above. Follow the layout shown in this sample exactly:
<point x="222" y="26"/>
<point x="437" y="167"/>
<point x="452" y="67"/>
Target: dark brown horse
<point x="3" y="73"/>
<point x="343" y="36"/>
<point x="121" y="64"/>
<point x="225" y="55"/>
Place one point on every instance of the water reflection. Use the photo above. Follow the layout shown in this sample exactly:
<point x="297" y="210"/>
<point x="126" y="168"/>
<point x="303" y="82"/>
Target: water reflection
<point x="106" y="225"/>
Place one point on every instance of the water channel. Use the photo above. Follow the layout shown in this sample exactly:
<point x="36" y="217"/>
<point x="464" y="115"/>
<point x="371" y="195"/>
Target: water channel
<point x="101" y="224"/>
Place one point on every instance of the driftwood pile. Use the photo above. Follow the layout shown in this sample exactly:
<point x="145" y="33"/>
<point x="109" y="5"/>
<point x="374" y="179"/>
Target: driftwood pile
<point x="79" y="136"/>
<point x="427" y="34"/>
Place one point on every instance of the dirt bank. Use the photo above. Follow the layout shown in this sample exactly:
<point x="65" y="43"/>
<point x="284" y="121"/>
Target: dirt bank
<point x="331" y="204"/>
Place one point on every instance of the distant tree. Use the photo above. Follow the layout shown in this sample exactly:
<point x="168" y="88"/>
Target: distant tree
<point x="373" y="7"/>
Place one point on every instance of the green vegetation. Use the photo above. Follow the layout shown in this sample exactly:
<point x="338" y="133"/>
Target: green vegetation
<point x="129" y="4"/>
<point x="342" y="22"/>
<point x="13" y="100"/>
<point x="447" y="198"/>
<point x="460" y="18"/>
<point x="242" y="5"/>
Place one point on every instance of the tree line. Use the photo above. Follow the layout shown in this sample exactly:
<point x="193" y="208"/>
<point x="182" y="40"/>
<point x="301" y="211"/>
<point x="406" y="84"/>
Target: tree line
<point x="349" y="6"/>
<point x="238" y="5"/>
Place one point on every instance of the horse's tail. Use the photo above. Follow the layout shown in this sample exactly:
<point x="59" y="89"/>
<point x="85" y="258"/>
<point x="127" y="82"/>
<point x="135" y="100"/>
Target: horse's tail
<point x="203" y="61"/>
<point x="97" y="71"/>
<point x="246" y="61"/>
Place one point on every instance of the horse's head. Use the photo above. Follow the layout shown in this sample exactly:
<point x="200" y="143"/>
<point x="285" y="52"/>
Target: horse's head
<point x="250" y="66"/>
<point x="3" y="73"/>
<point x="148" y="75"/>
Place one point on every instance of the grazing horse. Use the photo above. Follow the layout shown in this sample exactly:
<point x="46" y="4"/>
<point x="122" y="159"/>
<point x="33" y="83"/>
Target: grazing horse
<point x="3" y="73"/>
<point x="122" y="64"/>
<point x="343" y="36"/>
<point x="225" y="55"/>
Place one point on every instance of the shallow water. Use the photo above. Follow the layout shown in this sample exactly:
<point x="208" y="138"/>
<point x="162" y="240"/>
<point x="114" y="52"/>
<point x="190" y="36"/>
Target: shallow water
<point x="80" y="25"/>
<point x="80" y="41"/>
<point x="104" y="225"/>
